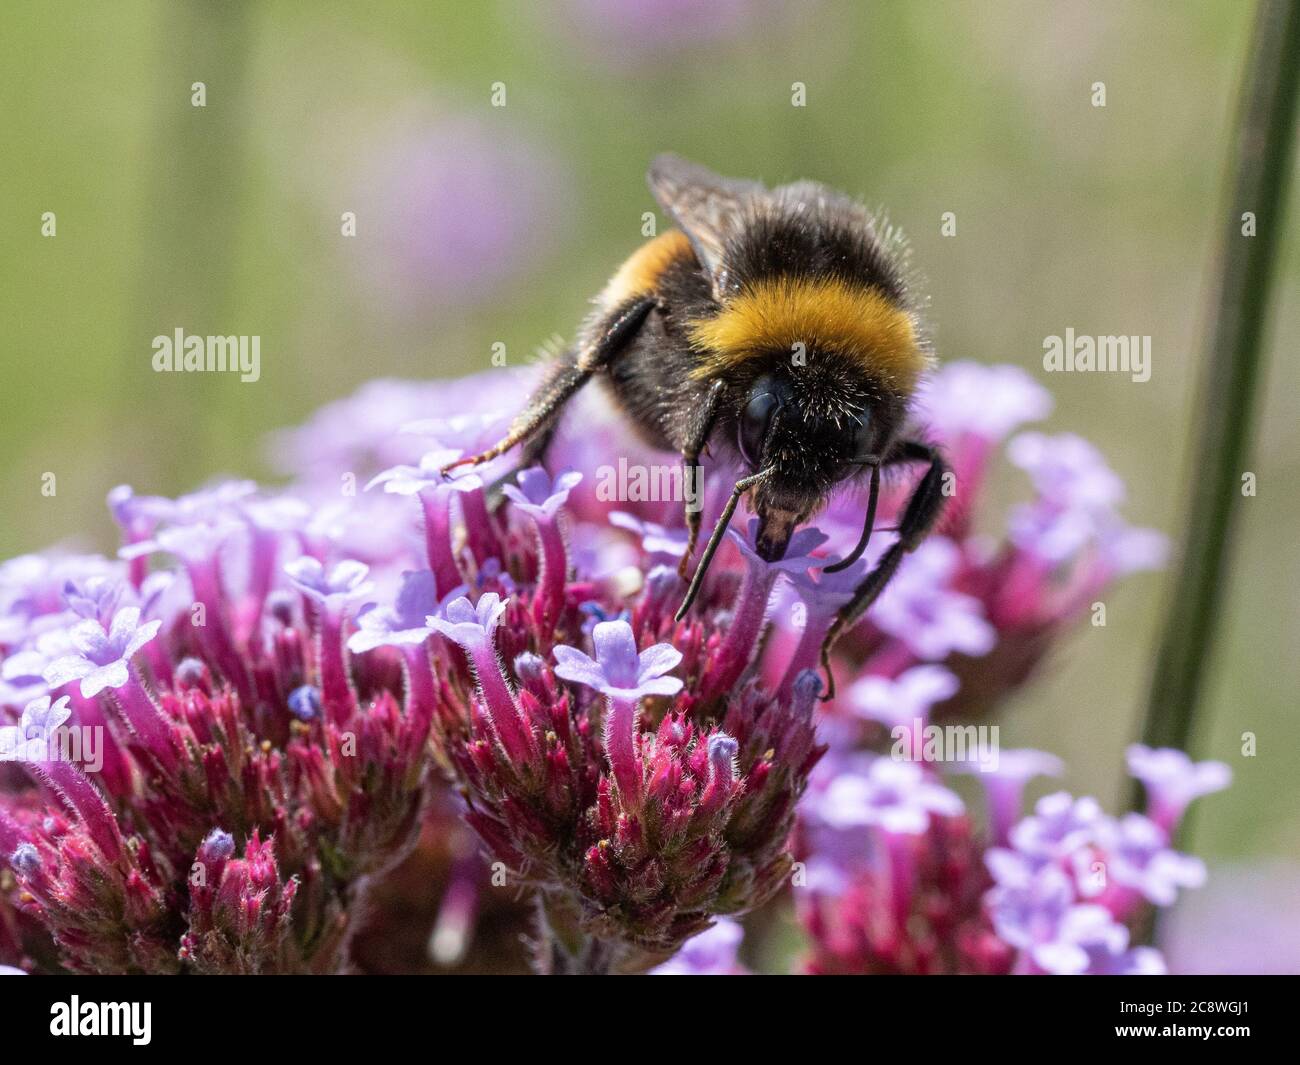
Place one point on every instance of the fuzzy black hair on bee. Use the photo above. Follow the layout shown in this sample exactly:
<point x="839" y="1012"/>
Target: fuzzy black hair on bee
<point x="777" y="326"/>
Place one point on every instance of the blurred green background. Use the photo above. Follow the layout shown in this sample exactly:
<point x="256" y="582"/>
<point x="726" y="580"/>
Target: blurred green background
<point x="480" y="224"/>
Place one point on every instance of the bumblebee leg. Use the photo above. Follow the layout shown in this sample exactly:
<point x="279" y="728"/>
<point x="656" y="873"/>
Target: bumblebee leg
<point x="573" y="370"/>
<point x="919" y="516"/>
<point x="532" y="454"/>
<point x="702" y="426"/>
<point x="710" y="549"/>
<point x="535" y="447"/>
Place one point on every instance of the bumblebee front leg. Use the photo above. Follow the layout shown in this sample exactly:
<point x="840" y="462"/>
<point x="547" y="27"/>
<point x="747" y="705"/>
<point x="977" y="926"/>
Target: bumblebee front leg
<point x="919" y="517"/>
<point x="571" y="371"/>
<point x="702" y="422"/>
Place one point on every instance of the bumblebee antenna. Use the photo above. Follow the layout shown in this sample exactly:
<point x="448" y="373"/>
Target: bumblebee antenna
<point x="856" y="553"/>
<point x="724" y="519"/>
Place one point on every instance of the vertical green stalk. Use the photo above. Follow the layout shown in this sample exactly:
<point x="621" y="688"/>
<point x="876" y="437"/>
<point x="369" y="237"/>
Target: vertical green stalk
<point x="194" y="201"/>
<point x="1259" y="166"/>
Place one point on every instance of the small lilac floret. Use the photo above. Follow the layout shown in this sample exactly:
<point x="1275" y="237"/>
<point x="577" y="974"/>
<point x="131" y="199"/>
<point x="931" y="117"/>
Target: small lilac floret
<point x="101" y="657"/>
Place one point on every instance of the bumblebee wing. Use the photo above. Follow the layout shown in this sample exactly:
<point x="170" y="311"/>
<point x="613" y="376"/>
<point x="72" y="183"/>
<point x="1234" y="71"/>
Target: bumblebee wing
<point x="815" y="197"/>
<point x="707" y="206"/>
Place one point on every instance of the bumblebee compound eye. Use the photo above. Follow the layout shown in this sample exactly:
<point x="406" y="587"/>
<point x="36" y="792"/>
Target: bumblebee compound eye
<point x="755" y="421"/>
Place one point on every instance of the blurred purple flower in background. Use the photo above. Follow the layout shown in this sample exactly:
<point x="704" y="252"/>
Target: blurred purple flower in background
<point x="645" y="31"/>
<point x="453" y="209"/>
<point x="711" y="953"/>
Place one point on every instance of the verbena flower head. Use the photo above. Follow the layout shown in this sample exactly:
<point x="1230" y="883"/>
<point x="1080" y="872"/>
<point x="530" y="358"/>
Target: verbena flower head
<point x="925" y="891"/>
<point x="291" y="685"/>
<point x="250" y="777"/>
<point x="636" y="818"/>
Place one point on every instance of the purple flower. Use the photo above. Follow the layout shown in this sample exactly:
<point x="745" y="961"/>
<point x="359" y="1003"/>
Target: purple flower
<point x="625" y="677"/>
<point x="986" y="401"/>
<point x="94" y="596"/>
<point x="278" y="514"/>
<point x="541" y="500"/>
<point x="711" y="953"/>
<point x="655" y="539"/>
<point x="902" y="700"/>
<point x="133" y="512"/>
<point x="102" y="657"/>
<point x="1004" y="785"/>
<point x="403" y="623"/>
<point x="26" y="859"/>
<point x="343" y="582"/>
<point x="456" y="207"/>
<point x="1173" y="780"/>
<point x="896" y="797"/>
<point x="1077" y="496"/>
<point x="467" y="432"/>
<point x="356" y="433"/>
<point x="305" y="702"/>
<point x="45" y="716"/>
<point x="22" y="676"/>
<point x="1125" y="549"/>
<point x="1060" y="824"/>
<point x="798" y="554"/>
<point x="29" y="740"/>
<point x="1067" y="469"/>
<point x="207" y="504"/>
<point x="1029" y="907"/>
<point x="218" y="846"/>
<point x="428" y="475"/>
<point x="1138" y="856"/>
<point x="197" y="541"/>
<point x="750" y="608"/>
<point x="627" y="34"/>
<point x="32" y="591"/>
<point x="1110" y="955"/>
<point x="820" y="600"/>
<point x="918" y="608"/>
<point x="618" y="670"/>
<point x="540" y="497"/>
<point x="1088" y="941"/>
<point x="434" y="489"/>
<point x="1034" y="910"/>
<point x="471" y="626"/>
<point x="825" y="593"/>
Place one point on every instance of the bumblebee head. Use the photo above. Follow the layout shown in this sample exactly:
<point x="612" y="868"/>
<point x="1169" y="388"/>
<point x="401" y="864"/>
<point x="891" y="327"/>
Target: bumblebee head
<point x="812" y="427"/>
<point x="810" y="324"/>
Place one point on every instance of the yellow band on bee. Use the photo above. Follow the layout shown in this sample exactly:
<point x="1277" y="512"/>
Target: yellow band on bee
<point x="642" y="270"/>
<point x="821" y="313"/>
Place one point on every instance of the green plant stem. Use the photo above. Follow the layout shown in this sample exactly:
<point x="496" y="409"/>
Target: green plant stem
<point x="562" y="948"/>
<point x="1260" y="166"/>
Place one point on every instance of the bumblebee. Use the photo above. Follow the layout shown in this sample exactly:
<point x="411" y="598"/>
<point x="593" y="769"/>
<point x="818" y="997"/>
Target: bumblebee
<point x="778" y="327"/>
